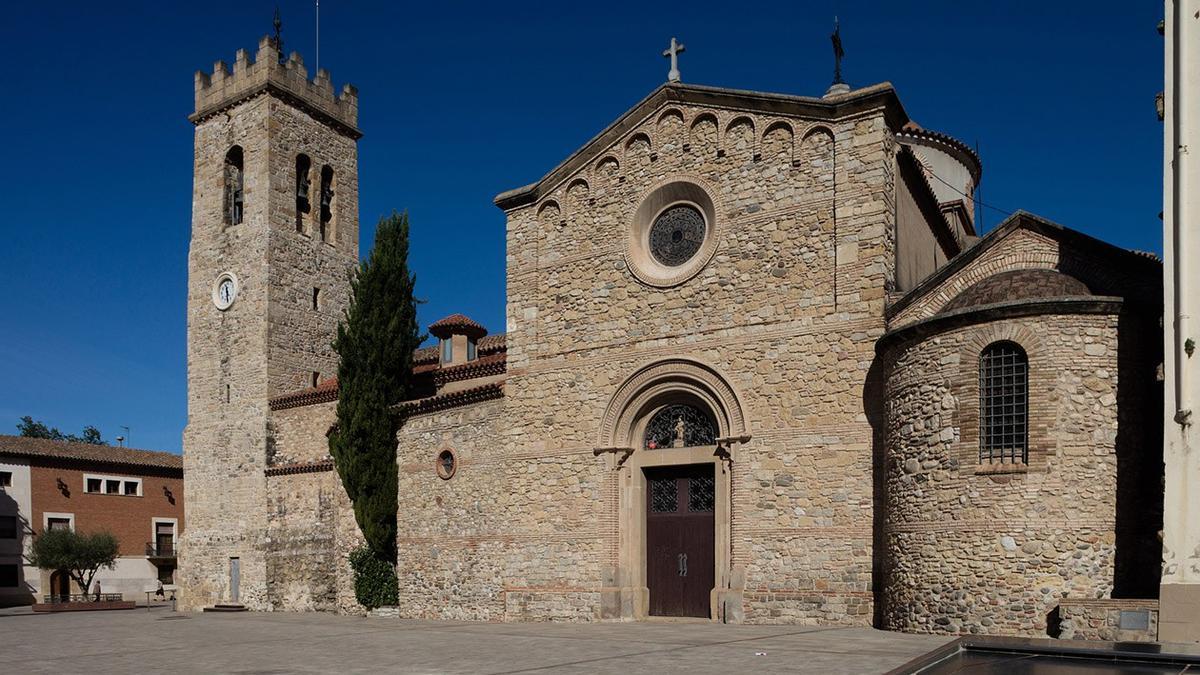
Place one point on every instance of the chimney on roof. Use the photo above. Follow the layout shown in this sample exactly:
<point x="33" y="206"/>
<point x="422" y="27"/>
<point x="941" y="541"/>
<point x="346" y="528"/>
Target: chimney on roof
<point x="457" y="337"/>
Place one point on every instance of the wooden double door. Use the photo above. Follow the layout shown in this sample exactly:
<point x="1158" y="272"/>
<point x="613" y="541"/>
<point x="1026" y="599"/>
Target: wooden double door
<point x="680" y="564"/>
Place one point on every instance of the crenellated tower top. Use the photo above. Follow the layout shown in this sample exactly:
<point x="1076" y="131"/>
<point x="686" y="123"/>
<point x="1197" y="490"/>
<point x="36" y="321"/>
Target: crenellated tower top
<point x="287" y="79"/>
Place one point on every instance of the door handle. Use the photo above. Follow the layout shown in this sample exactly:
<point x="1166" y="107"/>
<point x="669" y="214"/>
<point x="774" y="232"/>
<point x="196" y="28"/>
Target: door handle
<point x="683" y="564"/>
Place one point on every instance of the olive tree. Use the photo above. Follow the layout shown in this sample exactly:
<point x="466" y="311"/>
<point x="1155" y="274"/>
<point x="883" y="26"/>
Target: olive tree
<point x="81" y="555"/>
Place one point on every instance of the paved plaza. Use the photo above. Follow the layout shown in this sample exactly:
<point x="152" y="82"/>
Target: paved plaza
<point x="159" y="640"/>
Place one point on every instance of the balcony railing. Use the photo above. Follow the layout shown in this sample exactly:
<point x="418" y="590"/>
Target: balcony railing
<point x="82" y="597"/>
<point x="157" y="550"/>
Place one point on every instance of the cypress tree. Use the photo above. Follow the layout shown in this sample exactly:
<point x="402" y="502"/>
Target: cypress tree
<point x="375" y="343"/>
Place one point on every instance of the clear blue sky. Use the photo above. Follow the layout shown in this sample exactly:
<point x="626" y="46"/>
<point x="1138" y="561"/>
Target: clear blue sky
<point x="460" y="101"/>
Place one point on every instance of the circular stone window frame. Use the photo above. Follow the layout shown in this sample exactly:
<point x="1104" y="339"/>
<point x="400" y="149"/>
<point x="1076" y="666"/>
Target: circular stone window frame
<point x="673" y="192"/>
<point x="216" y="290"/>
<point x="439" y="467"/>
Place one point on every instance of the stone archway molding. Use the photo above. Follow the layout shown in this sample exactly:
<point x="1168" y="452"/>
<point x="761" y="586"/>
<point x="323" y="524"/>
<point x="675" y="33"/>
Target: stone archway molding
<point x="665" y="377"/>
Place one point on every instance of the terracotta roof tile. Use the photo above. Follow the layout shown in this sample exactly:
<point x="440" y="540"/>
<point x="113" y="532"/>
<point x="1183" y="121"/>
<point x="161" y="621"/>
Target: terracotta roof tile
<point x="21" y="446"/>
<point x="965" y="152"/>
<point x="322" y="393"/>
<point x="492" y="343"/>
<point x="424" y="360"/>
<point x="456" y="324"/>
<point x="489" y="344"/>
<point x="300" y="467"/>
<point x="491" y="361"/>
<point x="484" y="366"/>
<point x="484" y="392"/>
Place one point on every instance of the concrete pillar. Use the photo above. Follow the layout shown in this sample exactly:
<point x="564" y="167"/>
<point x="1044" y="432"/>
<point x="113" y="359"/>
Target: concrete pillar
<point x="1179" y="619"/>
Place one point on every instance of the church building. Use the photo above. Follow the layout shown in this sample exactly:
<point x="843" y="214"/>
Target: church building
<point x="759" y="366"/>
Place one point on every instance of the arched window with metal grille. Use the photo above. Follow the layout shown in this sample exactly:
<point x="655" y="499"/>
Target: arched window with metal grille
<point x="1003" y="404"/>
<point x="680" y="426"/>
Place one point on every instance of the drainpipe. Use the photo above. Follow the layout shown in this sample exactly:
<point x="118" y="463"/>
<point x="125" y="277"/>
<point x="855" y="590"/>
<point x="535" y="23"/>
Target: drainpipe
<point x="1185" y="188"/>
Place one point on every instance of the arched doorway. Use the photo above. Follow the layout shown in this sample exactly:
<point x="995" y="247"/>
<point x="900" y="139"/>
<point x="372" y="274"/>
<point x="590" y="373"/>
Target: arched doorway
<point x="670" y="429"/>
<point x="60" y="586"/>
<point x="680" y="500"/>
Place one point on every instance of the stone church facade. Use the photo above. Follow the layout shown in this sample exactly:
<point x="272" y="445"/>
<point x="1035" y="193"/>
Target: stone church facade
<point x="758" y="367"/>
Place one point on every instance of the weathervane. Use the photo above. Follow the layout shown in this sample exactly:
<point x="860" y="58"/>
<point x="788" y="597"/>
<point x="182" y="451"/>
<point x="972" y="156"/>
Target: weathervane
<point x="673" y="53"/>
<point x="278" y="34"/>
<point x="839" y="85"/>
<point x="838" y="52"/>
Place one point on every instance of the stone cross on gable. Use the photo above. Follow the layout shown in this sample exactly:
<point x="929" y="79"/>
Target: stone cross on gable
<point x="673" y="53"/>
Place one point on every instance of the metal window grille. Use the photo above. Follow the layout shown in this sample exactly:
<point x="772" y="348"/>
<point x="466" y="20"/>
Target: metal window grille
<point x="700" y="493"/>
<point x="663" y="495"/>
<point x="663" y="429"/>
<point x="1004" y="404"/>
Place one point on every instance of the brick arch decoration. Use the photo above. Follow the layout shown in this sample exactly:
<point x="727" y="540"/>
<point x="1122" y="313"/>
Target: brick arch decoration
<point x="789" y="142"/>
<point x="549" y="212"/>
<point x="696" y="122"/>
<point x="602" y="171"/>
<point x="810" y="147"/>
<point x="639" y="136"/>
<point x="671" y="129"/>
<point x="578" y="191"/>
<point x="742" y="119"/>
<point x="670" y="377"/>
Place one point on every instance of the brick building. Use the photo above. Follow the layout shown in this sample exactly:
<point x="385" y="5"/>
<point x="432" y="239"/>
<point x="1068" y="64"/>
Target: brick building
<point x="759" y="367"/>
<point x="137" y="495"/>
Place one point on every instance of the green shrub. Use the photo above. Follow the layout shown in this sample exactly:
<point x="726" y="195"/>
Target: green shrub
<point x="375" y="582"/>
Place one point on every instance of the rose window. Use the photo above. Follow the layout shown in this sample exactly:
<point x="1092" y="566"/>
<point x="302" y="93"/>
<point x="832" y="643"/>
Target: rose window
<point x="677" y="235"/>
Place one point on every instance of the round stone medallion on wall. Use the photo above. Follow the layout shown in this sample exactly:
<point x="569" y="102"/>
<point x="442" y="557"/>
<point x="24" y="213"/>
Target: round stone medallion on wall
<point x="673" y="234"/>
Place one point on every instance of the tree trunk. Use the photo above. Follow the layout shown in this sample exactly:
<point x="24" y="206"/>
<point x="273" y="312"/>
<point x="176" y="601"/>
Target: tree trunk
<point x="85" y="582"/>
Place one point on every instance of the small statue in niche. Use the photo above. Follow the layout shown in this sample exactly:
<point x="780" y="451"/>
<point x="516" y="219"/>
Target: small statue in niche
<point x="679" y="432"/>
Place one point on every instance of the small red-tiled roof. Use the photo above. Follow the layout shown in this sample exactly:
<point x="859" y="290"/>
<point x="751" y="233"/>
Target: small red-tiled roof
<point x="425" y="360"/>
<point x="300" y="467"/>
<point x="484" y="366"/>
<point x="492" y="343"/>
<point x="965" y="152"/>
<point x="21" y="446"/>
<point x="489" y="344"/>
<point x="456" y="324"/>
<point x="425" y="355"/>
<point x="485" y="392"/>
<point x="324" y="392"/>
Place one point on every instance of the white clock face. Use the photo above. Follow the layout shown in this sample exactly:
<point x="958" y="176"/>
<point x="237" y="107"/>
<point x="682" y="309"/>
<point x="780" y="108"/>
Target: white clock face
<point x="225" y="291"/>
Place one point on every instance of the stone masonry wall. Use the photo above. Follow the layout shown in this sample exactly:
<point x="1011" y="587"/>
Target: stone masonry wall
<point x="451" y="563"/>
<point x="763" y="313"/>
<point x="223" y="443"/>
<point x="973" y="551"/>
<point x="301" y="337"/>
<point x="311" y="528"/>
<point x="1101" y="620"/>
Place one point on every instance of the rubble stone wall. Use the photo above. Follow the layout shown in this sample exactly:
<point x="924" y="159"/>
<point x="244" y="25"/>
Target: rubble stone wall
<point x="973" y="550"/>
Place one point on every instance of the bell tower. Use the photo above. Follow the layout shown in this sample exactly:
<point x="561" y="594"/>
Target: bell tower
<point x="274" y="234"/>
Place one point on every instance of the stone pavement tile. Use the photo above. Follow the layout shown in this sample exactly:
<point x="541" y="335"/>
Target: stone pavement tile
<point x="122" y="642"/>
